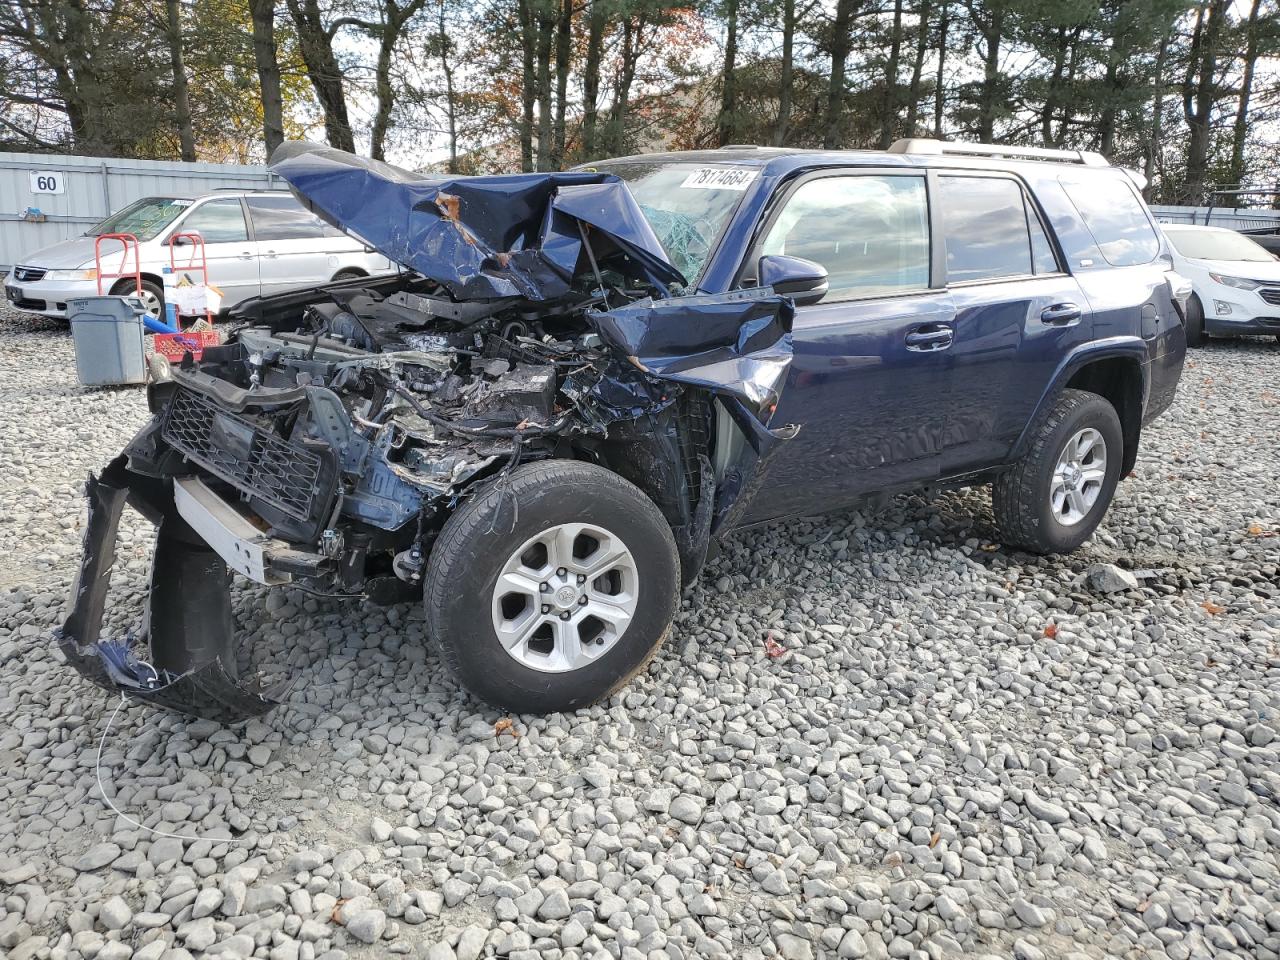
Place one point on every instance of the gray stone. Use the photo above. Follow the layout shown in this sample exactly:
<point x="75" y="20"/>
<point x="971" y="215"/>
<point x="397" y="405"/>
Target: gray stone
<point x="1043" y="809"/>
<point x="97" y="856"/>
<point x="367" y="926"/>
<point x="115" y="914"/>
<point x="1106" y="578"/>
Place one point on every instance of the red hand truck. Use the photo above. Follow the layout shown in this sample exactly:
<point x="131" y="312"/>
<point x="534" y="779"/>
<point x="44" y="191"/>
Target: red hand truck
<point x="126" y="241"/>
<point x="197" y="262"/>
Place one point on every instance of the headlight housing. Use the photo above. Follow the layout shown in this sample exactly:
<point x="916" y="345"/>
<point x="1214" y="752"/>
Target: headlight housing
<point x="90" y="274"/>
<point x="1240" y="283"/>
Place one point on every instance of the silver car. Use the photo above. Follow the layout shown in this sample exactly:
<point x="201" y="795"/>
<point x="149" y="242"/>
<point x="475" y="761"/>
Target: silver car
<point x="256" y="243"/>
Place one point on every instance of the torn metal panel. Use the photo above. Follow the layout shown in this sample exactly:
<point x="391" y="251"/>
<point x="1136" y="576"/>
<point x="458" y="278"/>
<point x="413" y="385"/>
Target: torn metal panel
<point x="192" y="669"/>
<point x="515" y="235"/>
<point x="736" y="345"/>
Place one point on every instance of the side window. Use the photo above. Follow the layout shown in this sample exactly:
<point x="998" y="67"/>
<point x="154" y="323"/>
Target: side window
<point x="1042" y="255"/>
<point x="992" y="231"/>
<point x="1115" y="217"/>
<point x="218" y="221"/>
<point x="870" y="232"/>
<point x="284" y="218"/>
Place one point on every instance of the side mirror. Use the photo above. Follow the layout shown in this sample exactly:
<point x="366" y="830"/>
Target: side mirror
<point x="180" y="239"/>
<point x="803" y="281"/>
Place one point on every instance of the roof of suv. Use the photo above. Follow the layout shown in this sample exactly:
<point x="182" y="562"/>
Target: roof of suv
<point x="904" y="153"/>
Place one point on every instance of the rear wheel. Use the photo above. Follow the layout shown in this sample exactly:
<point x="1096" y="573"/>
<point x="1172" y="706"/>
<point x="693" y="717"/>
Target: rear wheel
<point x="1053" y="499"/>
<point x="552" y="588"/>
<point x="1195" y="322"/>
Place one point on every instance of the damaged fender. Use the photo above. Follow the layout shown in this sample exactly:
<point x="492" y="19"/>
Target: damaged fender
<point x="735" y="345"/>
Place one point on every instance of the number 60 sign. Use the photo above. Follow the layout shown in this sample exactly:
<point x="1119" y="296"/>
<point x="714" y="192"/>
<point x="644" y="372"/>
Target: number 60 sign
<point x="45" y="181"/>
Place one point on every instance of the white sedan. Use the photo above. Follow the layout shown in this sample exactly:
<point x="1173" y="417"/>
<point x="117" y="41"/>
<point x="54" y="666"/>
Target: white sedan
<point x="1236" y="282"/>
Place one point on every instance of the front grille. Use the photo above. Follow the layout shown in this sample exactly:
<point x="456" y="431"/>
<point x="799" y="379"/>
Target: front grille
<point x="28" y="274"/>
<point x="1271" y="295"/>
<point x="278" y="473"/>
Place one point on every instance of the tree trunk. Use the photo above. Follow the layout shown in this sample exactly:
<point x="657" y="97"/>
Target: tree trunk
<point x="181" y="92"/>
<point x="889" y="107"/>
<point x="727" y="120"/>
<point x="1240" y="130"/>
<point x="263" y="13"/>
<point x="1111" y="83"/>
<point x="939" y="89"/>
<point x="316" y="46"/>
<point x="1150" y="161"/>
<point x="1055" y="89"/>
<point x="1198" y="95"/>
<point x="591" y="78"/>
<point x="988" y="98"/>
<point x="546" y="34"/>
<point x="917" y="68"/>
<point x="528" y="51"/>
<point x="786" y="78"/>
<point x="451" y="102"/>
<point x="631" y="26"/>
<point x="841" y="42"/>
<point x="382" y="84"/>
<point x="564" y="47"/>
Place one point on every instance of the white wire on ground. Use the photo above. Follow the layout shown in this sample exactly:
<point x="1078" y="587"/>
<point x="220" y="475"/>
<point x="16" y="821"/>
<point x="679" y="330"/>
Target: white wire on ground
<point x="97" y="771"/>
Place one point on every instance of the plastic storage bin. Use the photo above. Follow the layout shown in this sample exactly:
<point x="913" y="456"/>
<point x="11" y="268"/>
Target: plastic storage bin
<point x="107" y="332"/>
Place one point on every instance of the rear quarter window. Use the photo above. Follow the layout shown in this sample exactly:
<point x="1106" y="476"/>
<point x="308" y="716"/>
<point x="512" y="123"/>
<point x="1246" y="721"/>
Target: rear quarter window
<point x="1116" y="219"/>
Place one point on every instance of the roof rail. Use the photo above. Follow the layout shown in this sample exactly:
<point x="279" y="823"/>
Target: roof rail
<point x="921" y="145"/>
<point x="267" y="189"/>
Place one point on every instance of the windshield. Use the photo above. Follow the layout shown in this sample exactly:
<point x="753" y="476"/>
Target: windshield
<point x="1217" y="245"/>
<point x="687" y="204"/>
<point x="143" y="218"/>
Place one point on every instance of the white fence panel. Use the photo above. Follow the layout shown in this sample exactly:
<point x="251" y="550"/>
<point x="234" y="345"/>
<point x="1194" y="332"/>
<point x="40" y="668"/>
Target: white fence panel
<point x="1245" y="219"/>
<point x="74" y="193"/>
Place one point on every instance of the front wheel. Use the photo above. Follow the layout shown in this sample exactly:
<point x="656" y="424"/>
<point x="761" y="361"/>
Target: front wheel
<point x="1195" y="322"/>
<point x="1053" y="499"/>
<point x="152" y="295"/>
<point x="553" y="587"/>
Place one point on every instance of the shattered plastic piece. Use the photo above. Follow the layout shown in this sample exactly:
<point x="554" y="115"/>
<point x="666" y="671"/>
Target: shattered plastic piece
<point x="481" y="237"/>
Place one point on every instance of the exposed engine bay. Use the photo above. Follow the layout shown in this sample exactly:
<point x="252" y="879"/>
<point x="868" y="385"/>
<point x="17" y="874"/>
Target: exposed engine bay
<point x="328" y="440"/>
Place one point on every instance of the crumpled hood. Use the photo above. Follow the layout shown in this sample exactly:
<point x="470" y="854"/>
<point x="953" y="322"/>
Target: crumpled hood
<point x="481" y="237"/>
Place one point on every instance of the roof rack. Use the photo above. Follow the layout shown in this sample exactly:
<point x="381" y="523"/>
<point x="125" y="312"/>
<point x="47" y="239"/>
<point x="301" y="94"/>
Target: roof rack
<point x="921" y="145"/>
<point x="267" y="189"/>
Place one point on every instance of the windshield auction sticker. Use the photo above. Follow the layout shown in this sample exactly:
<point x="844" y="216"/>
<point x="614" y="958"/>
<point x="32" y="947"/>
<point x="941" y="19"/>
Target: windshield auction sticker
<point x="719" y="178"/>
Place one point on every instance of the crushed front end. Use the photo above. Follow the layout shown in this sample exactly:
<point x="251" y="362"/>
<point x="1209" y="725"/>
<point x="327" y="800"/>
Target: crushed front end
<point x="329" y="440"/>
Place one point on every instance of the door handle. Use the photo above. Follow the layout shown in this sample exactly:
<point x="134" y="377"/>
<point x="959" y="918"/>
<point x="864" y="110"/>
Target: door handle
<point x="272" y="254"/>
<point x="246" y="255"/>
<point x="930" y="336"/>
<point x="1060" y="314"/>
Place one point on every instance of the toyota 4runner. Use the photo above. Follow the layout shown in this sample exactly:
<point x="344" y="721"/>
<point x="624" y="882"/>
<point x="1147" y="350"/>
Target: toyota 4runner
<point x="583" y="380"/>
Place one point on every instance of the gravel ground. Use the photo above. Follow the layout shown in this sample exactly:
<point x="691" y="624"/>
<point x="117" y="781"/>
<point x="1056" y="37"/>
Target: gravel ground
<point x="960" y="750"/>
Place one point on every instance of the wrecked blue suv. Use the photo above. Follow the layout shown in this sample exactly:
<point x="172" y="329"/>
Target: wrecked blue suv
<point x="581" y="380"/>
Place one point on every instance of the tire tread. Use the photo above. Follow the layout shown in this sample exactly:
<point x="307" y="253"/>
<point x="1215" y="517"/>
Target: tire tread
<point x="449" y="549"/>
<point x="1014" y="492"/>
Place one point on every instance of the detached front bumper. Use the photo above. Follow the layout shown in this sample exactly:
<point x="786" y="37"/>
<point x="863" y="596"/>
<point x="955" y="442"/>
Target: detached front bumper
<point x="192" y="668"/>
